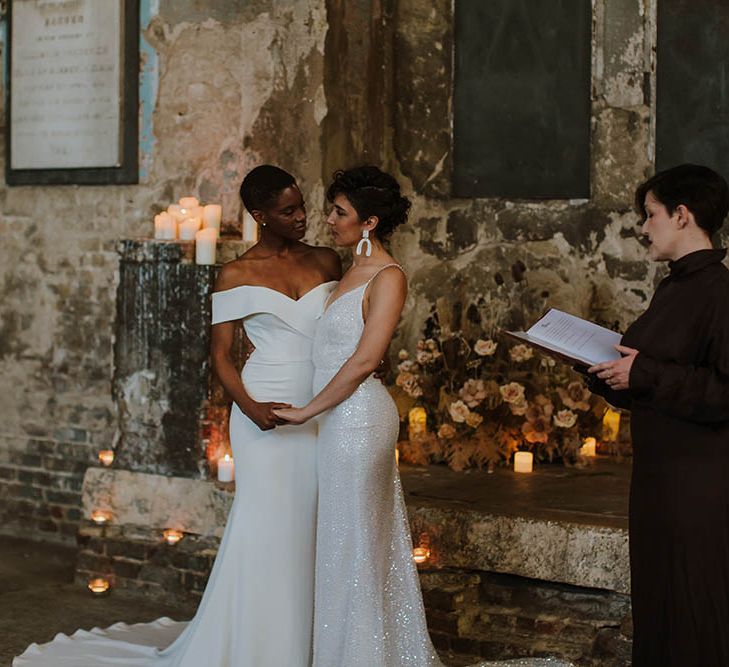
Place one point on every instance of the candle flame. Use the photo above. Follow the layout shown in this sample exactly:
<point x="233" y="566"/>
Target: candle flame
<point x="172" y="536"/>
<point x="100" y="516"/>
<point x="106" y="456"/>
<point x="99" y="585"/>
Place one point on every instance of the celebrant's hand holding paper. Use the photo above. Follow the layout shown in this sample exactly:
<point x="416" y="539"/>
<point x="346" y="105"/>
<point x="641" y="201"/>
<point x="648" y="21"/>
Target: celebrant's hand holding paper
<point x="571" y="339"/>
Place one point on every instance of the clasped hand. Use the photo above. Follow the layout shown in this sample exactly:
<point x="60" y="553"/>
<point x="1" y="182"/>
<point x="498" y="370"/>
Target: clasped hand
<point x="616" y="374"/>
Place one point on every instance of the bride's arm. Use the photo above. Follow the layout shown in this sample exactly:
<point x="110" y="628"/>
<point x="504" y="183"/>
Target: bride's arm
<point x="386" y="299"/>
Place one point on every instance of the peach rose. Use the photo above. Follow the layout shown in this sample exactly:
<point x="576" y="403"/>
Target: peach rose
<point x="474" y="419"/>
<point x="458" y="411"/>
<point x="521" y="353"/>
<point x="485" y="348"/>
<point x="512" y="392"/>
<point x="446" y="431"/>
<point x="565" y="419"/>
<point x="473" y="392"/>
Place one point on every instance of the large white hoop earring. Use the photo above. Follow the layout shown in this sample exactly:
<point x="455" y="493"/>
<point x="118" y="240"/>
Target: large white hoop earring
<point x="365" y="241"/>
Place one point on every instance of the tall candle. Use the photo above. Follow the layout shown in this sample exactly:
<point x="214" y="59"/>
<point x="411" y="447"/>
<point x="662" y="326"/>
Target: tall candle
<point x="611" y="424"/>
<point x="250" y="228"/>
<point x="205" y="246"/>
<point x="417" y="422"/>
<point x="226" y="469"/>
<point x="211" y="216"/>
<point x="189" y="228"/>
<point x="523" y="462"/>
<point x="189" y="202"/>
<point x="165" y="227"/>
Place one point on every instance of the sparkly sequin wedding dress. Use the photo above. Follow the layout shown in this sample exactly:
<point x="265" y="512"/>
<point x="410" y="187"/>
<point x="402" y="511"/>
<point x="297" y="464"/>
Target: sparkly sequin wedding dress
<point x="258" y="605"/>
<point x="368" y="609"/>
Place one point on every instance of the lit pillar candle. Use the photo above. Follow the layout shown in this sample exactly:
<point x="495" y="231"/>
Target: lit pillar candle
<point x="523" y="462"/>
<point x="165" y="226"/>
<point x="189" y="202"/>
<point x="417" y="422"/>
<point x="205" y="246"/>
<point x="189" y="228"/>
<point x="211" y="216"/>
<point x="611" y="424"/>
<point x="226" y="469"/>
<point x="250" y="228"/>
<point x="589" y="447"/>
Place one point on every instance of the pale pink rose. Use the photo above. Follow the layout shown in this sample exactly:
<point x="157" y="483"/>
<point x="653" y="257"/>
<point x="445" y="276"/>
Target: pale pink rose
<point x="512" y="392"/>
<point x="473" y="392"/>
<point x="458" y="411"/>
<point x="403" y="354"/>
<point x="576" y="396"/>
<point x="431" y="345"/>
<point x="565" y="419"/>
<point x="446" y="431"/>
<point x="474" y="419"/>
<point x="520" y="408"/>
<point x="521" y="353"/>
<point x="485" y="348"/>
<point x="406" y="366"/>
<point x="424" y="357"/>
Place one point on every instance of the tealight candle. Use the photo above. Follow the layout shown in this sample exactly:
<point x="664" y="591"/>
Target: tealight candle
<point x="172" y="536"/>
<point x="189" y="202"/>
<point x="523" y="462"/>
<point x="250" y="228"/>
<point x="211" y="216"/>
<point x="589" y="447"/>
<point x="189" y="228"/>
<point x="106" y="456"/>
<point x="99" y="586"/>
<point x="421" y="554"/>
<point x="100" y="517"/>
<point x="226" y="469"/>
<point x="205" y="246"/>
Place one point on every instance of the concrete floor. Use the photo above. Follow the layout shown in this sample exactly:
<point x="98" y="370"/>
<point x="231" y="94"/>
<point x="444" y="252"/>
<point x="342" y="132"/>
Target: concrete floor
<point x="39" y="599"/>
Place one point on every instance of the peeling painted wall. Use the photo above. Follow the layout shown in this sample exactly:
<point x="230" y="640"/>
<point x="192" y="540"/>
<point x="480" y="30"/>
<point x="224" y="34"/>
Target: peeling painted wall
<point x="311" y="85"/>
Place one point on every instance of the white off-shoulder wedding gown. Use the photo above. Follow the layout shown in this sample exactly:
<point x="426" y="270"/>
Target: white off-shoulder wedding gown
<point x="257" y="608"/>
<point x="368" y="609"/>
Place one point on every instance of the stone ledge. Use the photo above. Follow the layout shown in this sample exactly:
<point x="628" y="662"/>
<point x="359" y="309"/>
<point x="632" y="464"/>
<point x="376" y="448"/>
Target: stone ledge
<point x="576" y="553"/>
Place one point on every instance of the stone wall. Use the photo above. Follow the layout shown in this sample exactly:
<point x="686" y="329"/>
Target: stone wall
<point x="310" y="85"/>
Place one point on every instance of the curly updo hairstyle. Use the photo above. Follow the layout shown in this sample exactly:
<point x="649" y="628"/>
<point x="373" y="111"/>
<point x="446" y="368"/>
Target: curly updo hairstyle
<point x="372" y="192"/>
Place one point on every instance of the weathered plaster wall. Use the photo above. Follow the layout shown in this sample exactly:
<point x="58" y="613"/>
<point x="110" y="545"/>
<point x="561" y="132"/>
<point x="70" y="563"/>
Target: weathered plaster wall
<point x="224" y="86"/>
<point x="311" y="85"/>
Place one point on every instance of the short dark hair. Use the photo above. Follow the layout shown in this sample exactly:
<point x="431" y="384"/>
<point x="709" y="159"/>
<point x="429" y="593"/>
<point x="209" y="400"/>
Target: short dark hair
<point x="700" y="189"/>
<point x="371" y="191"/>
<point x="262" y="184"/>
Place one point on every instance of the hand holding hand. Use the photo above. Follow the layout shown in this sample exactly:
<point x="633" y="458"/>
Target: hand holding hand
<point x="616" y="374"/>
<point x="291" y="415"/>
<point x="264" y="415"/>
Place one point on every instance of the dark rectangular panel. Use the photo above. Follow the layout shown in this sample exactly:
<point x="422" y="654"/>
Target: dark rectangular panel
<point x="692" y="84"/>
<point x="522" y="98"/>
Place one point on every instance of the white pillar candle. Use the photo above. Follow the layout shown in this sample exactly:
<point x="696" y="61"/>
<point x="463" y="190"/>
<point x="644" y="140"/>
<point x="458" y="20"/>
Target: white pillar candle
<point x="189" y="202"/>
<point x="189" y="228"/>
<point x="589" y="447"/>
<point x="211" y="216"/>
<point x="523" y="462"/>
<point x="165" y="227"/>
<point x="205" y="245"/>
<point x="226" y="469"/>
<point x="250" y="228"/>
<point x="195" y="211"/>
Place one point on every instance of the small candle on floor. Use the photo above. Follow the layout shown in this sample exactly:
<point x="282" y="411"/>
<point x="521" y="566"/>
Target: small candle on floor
<point x="99" y="586"/>
<point x="523" y="462"/>
<point x="226" y="469"/>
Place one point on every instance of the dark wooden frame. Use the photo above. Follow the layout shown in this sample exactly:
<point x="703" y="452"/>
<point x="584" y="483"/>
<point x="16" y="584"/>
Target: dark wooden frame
<point x="128" y="172"/>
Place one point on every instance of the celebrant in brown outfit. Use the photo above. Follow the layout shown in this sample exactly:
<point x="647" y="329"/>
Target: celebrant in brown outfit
<point x="674" y="377"/>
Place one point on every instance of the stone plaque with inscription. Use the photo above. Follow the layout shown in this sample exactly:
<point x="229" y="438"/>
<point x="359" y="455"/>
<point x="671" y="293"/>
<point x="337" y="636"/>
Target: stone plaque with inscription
<point x="67" y="89"/>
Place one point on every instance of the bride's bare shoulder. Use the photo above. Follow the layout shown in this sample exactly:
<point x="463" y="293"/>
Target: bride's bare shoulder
<point x="234" y="274"/>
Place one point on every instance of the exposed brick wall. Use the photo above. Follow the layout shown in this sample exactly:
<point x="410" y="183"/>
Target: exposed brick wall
<point x="474" y="615"/>
<point x="40" y="486"/>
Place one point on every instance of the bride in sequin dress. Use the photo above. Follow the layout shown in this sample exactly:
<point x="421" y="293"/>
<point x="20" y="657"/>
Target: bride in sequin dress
<point x="368" y="608"/>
